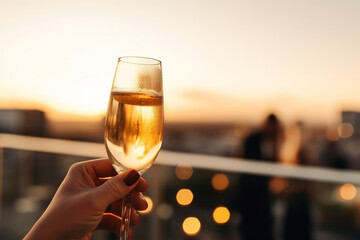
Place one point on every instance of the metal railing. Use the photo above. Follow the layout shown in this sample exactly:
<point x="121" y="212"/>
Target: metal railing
<point x="171" y="158"/>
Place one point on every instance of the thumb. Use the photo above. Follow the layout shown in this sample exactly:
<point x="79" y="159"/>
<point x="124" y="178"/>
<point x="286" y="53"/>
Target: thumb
<point x="117" y="187"/>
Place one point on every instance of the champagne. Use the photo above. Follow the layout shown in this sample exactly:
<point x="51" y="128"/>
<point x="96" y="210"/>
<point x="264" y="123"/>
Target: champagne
<point x="134" y="121"/>
<point x="134" y="129"/>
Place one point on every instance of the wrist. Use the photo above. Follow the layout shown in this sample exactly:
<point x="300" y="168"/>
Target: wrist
<point x="43" y="230"/>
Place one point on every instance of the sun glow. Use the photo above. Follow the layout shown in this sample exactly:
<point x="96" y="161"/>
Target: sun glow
<point x="64" y="55"/>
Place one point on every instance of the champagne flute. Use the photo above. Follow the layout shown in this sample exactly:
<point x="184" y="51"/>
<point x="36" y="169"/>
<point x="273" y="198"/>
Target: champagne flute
<point x="134" y="120"/>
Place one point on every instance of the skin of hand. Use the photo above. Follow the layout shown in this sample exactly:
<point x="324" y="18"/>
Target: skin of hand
<point x="88" y="199"/>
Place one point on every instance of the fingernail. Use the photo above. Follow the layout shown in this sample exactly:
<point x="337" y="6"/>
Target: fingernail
<point x="131" y="177"/>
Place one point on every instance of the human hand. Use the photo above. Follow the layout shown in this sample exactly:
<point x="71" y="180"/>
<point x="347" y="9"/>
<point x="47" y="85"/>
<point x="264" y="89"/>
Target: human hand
<point x="89" y="199"/>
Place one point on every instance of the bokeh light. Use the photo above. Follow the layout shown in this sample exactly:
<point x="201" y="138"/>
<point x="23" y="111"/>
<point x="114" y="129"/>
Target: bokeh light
<point x="277" y="185"/>
<point x="191" y="226"/>
<point x="150" y="206"/>
<point x="332" y="134"/>
<point x="292" y="142"/>
<point x="165" y="211"/>
<point x="26" y="205"/>
<point x="184" y="171"/>
<point x="345" y="130"/>
<point x="221" y="215"/>
<point x="347" y="192"/>
<point x="184" y="196"/>
<point x="220" y="181"/>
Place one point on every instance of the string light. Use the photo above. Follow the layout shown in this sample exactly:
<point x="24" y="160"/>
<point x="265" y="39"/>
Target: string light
<point x="184" y="171"/>
<point x="191" y="226"/>
<point x="347" y="192"/>
<point x="184" y="196"/>
<point x="220" y="182"/>
<point x="221" y="215"/>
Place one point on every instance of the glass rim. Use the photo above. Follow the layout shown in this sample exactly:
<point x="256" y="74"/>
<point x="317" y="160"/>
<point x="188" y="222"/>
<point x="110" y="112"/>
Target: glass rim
<point x="139" y="60"/>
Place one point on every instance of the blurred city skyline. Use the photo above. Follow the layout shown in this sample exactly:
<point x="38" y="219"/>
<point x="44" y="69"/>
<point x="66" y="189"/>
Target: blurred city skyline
<point x="222" y="61"/>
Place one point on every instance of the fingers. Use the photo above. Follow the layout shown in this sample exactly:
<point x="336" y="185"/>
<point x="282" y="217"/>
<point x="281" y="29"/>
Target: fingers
<point x="137" y="203"/>
<point x="116" y="187"/>
<point x="101" y="167"/>
<point x="135" y="218"/>
<point x="112" y="223"/>
<point x="103" y="170"/>
<point x="110" y="189"/>
<point x="142" y="185"/>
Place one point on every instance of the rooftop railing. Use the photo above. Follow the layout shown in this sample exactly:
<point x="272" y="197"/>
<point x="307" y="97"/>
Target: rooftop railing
<point x="174" y="159"/>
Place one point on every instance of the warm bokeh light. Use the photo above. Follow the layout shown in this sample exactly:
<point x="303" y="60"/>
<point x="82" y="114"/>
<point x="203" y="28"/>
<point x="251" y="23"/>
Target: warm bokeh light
<point x="150" y="206"/>
<point x="221" y="215"/>
<point x="345" y="130"/>
<point x="220" y="181"/>
<point x="191" y="226"/>
<point x="184" y="171"/>
<point x="165" y="211"/>
<point x="332" y="134"/>
<point x="289" y="149"/>
<point x="277" y="185"/>
<point x="27" y="205"/>
<point x="184" y="196"/>
<point x="347" y="192"/>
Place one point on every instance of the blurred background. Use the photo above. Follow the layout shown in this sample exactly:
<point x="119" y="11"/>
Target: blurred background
<point x="272" y="81"/>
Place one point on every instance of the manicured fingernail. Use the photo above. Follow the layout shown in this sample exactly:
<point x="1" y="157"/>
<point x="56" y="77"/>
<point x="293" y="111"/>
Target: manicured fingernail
<point x="131" y="177"/>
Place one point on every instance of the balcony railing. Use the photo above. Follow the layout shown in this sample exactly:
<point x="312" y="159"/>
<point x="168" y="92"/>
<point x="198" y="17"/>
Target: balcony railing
<point x="173" y="159"/>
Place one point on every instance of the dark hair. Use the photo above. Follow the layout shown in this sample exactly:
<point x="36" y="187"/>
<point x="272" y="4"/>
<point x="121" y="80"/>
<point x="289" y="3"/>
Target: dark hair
<point x="272" y="118"/>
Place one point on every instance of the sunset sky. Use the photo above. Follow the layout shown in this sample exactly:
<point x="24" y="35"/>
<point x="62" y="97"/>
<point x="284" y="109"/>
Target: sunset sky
<point x="228" y="60"/>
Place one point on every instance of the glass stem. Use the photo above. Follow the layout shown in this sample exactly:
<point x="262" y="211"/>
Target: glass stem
<point x="125" y="217"/>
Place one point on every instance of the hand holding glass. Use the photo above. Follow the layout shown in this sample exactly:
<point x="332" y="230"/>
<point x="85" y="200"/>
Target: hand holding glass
<point x="134" y="120"/>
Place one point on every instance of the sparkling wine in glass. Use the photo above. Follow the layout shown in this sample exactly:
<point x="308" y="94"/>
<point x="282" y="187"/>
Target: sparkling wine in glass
<point x="134" y="120"/>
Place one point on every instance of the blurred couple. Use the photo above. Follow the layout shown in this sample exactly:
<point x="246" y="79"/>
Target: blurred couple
<point x="255" y="199"/>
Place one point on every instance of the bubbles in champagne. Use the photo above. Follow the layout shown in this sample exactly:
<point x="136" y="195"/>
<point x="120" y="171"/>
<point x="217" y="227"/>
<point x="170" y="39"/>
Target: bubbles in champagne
<point x="133" y="131"/>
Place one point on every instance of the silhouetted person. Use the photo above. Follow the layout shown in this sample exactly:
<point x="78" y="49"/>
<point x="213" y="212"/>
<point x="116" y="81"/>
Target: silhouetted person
<point x="298" y="224"/>
<point x="255" y="198"/>
<point x="297" y="221"/>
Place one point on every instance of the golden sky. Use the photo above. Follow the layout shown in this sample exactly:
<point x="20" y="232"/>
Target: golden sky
<point x="222" y="60"/>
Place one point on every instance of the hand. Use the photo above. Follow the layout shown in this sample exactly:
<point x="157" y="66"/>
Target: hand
<point x="89" y="199"/>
